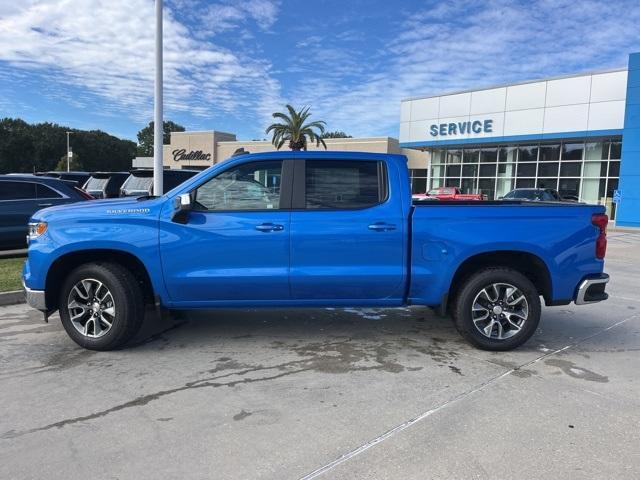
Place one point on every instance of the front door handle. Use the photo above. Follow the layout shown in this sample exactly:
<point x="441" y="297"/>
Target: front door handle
<point x="45" y="204"/>
<point x="381" y="227"/>
<point x="269" y="227"/>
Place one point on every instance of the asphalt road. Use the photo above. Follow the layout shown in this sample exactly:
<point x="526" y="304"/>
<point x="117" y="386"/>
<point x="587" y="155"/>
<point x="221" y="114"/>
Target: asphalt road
<point x="336" y="394"/>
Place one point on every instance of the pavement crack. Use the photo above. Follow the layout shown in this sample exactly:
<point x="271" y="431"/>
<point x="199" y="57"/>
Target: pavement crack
<point x="148" y="398"/>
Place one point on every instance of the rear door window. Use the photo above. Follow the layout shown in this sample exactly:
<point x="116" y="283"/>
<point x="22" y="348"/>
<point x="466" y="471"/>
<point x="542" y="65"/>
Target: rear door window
<point x="343" y="185"/>
<point x="43" y="191"/>
<point x="17" y="190"/>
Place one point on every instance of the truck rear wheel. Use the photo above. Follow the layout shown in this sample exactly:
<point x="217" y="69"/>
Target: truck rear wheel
<point x="101" y="306"/>
<point x="497" y="309"/>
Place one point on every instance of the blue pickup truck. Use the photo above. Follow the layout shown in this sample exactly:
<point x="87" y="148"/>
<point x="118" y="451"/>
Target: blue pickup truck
<point x="302" y="229"/>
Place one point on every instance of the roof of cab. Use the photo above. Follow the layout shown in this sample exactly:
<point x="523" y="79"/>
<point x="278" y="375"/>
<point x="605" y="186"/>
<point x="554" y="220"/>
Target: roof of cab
<point x="330" y="155"/>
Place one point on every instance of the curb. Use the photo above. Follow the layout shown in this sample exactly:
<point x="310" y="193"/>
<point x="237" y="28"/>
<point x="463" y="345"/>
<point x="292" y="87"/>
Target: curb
<point x="13" y="253"/>
<point x="12" y="298"/>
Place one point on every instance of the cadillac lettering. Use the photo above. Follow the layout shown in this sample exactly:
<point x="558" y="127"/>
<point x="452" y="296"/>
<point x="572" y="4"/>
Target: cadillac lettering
<point x="180" y="155"/>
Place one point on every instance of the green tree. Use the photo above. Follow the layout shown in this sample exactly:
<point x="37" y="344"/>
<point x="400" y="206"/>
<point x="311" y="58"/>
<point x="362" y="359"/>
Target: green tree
<point x="28" y="147"/>
<point x="296" y="130"/>
<point x="145" y="137"/>
<point x="74" y="164"/>
<point x="336" y="134"/>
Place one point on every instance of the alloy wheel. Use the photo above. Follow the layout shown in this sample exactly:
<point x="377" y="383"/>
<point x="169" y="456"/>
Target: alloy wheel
<point x="499" y="311"/>
<point x="91" y="308"/>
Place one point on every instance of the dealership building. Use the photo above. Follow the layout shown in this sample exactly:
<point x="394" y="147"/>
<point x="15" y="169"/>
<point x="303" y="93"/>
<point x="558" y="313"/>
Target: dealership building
<point x="578" y="134"/>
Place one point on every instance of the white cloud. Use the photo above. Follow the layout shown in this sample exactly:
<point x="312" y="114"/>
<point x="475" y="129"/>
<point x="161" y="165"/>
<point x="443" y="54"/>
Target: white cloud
<point x="106" y="47"/>
<point x="460" y="45"/>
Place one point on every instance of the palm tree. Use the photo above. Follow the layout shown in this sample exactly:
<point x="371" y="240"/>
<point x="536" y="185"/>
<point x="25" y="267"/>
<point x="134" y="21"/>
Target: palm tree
<point x="295" y="130"/>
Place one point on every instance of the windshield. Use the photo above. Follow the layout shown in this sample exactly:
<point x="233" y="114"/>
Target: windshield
<point x="96" y="184"/>
<point x="527" y="194"/>
<point x="137" y="184"/>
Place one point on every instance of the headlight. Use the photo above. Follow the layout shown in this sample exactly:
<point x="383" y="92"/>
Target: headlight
<point x="36" y="229"/>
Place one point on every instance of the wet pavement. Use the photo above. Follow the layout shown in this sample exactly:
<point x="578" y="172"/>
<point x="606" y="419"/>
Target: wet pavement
<point x="355" y="393"/>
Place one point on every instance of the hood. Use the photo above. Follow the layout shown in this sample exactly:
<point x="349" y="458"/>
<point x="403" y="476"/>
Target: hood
<point x="99" y="208"/>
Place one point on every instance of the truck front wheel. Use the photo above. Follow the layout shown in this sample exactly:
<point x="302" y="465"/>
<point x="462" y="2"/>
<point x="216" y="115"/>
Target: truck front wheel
<point x="497" y="309"/>
<point x="101" y="306"/>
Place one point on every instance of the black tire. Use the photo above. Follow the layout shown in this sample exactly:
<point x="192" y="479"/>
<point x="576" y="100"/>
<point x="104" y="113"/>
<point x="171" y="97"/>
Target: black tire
<point x="472" y="287"/>
<point x="128" y="305"/>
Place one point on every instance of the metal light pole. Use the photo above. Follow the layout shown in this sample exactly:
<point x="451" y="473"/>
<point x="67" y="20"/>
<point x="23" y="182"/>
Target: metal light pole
<point x="157" y="110"/>
<point x="68" y="151"/>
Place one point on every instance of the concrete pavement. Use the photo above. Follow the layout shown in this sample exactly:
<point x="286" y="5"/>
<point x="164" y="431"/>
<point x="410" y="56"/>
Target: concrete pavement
<point x="374" y="393"/>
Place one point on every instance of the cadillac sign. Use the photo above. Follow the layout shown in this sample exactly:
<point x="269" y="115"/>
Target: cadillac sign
<point x="181" y="155"/>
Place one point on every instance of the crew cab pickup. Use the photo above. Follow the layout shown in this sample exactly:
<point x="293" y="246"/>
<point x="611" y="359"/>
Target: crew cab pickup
<point x="321" y="229"/>
<point x="448" y="193"/>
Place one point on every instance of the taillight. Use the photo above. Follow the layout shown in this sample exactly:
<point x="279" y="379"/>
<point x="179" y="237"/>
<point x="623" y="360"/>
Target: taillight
<point x="601" y="220"/>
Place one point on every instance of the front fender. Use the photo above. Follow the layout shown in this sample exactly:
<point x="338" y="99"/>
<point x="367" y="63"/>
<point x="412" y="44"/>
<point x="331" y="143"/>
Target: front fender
<point x="137" y="236"/>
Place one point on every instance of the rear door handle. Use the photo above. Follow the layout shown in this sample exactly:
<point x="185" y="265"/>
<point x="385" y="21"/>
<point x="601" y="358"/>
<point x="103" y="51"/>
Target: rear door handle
<point x="381" y="227"/>
<point x="269" y="227"/>
<point x="45" y="204"/>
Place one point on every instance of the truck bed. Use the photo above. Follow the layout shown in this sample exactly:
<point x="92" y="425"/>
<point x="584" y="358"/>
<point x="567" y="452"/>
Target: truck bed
<point x="446" y="233"/>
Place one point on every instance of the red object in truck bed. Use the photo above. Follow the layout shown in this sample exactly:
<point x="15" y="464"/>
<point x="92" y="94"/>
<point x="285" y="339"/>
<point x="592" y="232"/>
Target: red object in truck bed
<point x="448" y="193"/>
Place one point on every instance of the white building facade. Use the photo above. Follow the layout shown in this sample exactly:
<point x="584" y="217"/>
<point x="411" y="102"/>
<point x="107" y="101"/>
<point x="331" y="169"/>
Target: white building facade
<point x="561" y="133"/>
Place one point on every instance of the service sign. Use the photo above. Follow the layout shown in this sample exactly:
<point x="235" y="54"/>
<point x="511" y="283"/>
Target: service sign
<point x="461" y="128"/>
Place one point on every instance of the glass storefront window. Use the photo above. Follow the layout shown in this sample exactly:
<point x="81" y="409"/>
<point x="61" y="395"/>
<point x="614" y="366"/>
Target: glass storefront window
<point x="548" y="169"/>
<point x="419" y="172"/>
<point x="595" y="169"/>
<point x="488" y="169"/>
<point x="569" y="187"/>
<point x="454" y="156"/>
<point x="548" y="183"/>
<point x="549" y="153"/>
<point x="507" y="154"/>
<point x="596" y="151"/>
<point x="487" y="187"/>
<point x="526" y="170"/>
<point x="570" y="169"/>
<point x="505" y="185"/>
<point x="528" y="153"/>
<point x="438" y="156"/>
<point x="470" y="170"/>
<point x="469" y="185"/>
<point x="437" y="171"/>
<point x="616" y="150"/>
<point x="419" y="185"/>
<point x="452" y="182"/>
<point x="525" y="183"/>
<point x="588" y="170"/>
<point x="470" y="155"/>
<point x="589" y="191"/>
<point x="453" y="170"/>
<point x="506" y="169"/>
<point x="614" y="168"/>
<point x="572" y="151"/>
<point x="488" y="155"/>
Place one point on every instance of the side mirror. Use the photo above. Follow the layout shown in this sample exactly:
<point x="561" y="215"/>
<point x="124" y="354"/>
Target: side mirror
<point x="182" y="208"/>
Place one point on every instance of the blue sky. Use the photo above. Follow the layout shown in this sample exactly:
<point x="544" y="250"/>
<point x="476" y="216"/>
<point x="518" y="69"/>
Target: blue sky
<point x="230" y="64"/>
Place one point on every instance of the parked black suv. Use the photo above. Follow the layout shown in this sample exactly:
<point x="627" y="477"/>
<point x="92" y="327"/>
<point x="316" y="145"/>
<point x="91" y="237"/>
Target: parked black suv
<point x="105" y="184"/>
<point x="538" y="195"/>
<point x="22" y="195"/>
<point x="140" y="182"/>
<point x="79" y="178"/>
